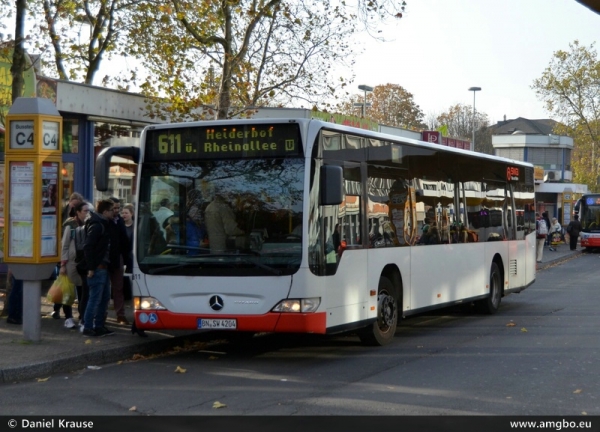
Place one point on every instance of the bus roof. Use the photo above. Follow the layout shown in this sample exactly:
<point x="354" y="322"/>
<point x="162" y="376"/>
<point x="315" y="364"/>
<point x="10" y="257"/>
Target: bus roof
<point x="321" y="124"/>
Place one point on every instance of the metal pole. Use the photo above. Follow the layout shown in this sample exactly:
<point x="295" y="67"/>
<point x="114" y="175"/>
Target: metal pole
<point x="32" y="323"/>
<point x="366" y="89"/>
<point x="364" y="107"/>
<point x="473" y="120"/>
<point x="474" y="89"/>
<point x="594" y="167"/>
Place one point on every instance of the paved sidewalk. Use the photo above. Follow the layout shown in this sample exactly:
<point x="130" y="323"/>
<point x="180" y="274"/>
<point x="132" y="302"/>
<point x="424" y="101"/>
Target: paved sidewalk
<point x="562" y="253"/>
<point x="64" y="350"/>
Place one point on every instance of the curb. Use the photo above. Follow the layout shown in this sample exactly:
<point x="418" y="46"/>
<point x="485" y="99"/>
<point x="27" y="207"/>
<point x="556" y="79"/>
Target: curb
<point x="81" y="361"/>
<point x="543" y="266"/>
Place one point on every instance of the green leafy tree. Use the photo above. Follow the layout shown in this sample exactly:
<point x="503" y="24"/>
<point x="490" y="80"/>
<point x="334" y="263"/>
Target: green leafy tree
<point x="12" y="51"/>
<point x="390" y="104"/>
<point x="393" y="105"/>
<point x="570" y="89"/>
<point x="18" y="62"/>
<point x="73" y="37"/>
<point x="221" y="53"/>
<point x="459" y="121"/>
<point x="78" y="55"/>
<point x="217" y="57"/>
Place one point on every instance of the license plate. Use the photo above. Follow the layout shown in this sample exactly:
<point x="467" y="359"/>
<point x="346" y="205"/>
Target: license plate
<point x="216" y="324"/>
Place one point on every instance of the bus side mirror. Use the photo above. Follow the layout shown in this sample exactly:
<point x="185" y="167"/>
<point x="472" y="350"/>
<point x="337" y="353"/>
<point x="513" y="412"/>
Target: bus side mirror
<point x="332" y="185"/>
<point x="102" y="167"/>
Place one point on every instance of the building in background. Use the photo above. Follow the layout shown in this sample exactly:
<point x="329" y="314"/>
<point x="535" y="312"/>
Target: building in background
<point x="534" y="141"/>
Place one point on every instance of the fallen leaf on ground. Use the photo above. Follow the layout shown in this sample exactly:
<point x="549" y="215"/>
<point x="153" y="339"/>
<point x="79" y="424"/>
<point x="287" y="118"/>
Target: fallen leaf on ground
<point x="218" y="404"/>
<point x="213" y="358"/>
<point x="524" y="330"/>
<point x="510" y="324"/>
<point x="43" y="379"/>
<point x="179" y="369"/>
<point x="577" y="391"/>
<point x="88" y="341"/>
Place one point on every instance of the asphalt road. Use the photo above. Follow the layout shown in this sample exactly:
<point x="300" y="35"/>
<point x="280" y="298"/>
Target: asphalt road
<point x="537" y="356"/>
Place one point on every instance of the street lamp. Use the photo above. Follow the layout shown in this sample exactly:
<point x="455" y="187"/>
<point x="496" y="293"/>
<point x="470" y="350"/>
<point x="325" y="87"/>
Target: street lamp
<point x="366" y="89"/>
<point x="474" y="89"/>
<point x="362" y="106"/>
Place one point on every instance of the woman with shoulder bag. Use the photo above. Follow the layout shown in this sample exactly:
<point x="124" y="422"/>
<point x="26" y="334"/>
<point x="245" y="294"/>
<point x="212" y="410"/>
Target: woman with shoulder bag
<point x="68" y="266"/>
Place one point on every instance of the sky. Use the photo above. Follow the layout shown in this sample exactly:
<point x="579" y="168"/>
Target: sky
<point x="441" y="48"/>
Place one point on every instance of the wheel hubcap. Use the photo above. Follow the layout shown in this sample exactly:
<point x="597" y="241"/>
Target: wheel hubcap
<point x="387" y="311"/>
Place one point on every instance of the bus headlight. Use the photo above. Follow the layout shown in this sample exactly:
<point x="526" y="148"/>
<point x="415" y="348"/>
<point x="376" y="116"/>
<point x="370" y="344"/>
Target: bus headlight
<point x="147" y="303"/>
<point x="298" y="305"/>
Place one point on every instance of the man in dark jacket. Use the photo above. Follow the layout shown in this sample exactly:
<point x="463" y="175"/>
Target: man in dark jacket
<point x="573" y="229"/>
<point x="96" y="250"/>
<point x="119" y="253"/>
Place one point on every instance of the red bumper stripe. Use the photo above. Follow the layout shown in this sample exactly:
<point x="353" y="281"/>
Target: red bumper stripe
<point x="591" y="242"/>
<point x="271" y="322"/>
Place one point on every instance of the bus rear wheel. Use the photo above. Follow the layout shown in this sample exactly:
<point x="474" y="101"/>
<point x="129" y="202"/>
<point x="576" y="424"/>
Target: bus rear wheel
<point x="382" y="331"/>
<point x="491" y="304"/>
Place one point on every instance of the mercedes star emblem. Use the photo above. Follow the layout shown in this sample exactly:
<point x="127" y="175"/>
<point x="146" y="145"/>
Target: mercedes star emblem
<point x="216" y="303"/>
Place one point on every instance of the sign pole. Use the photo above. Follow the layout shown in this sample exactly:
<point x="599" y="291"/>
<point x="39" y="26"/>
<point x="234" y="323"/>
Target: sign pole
<point x="33" y="206"/>
<point x="32" y="325"/>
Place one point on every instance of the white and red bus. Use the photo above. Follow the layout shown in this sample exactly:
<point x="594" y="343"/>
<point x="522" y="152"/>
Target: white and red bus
<point x="326" y="227"/>
<point x="588" y="208"/>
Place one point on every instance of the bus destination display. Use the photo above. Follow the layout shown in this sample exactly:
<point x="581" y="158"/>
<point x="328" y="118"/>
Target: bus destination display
<point x="223" y="142"/>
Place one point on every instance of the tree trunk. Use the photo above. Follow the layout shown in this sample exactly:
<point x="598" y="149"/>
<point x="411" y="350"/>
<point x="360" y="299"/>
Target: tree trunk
<point x="18" y="63"/>
<point x="225" y="91"/>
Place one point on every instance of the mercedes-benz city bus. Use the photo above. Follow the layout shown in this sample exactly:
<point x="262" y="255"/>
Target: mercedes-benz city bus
<point x="305" y="226"/>
<point x="588" y="208"/>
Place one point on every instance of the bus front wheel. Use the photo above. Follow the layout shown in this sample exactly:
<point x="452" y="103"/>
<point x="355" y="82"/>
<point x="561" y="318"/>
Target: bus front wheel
<point x="491" y="304"/>
<point x="382" y="331"/>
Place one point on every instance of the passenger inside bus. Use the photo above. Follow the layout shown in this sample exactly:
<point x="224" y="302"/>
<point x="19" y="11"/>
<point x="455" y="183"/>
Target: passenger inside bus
<point x="433" y="234"/>
<point x="222" y="226"/>
<point x="424" y="230"/>
<point x="153" y="239"/>
<point x="337" y="241"/>
<point x="195" y="229"/>
<point x="445" y="228"/>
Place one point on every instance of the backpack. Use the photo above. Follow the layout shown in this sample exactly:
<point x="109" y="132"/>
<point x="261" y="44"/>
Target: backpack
<point x="542" y="229"/>
<point x="79" y="234"/>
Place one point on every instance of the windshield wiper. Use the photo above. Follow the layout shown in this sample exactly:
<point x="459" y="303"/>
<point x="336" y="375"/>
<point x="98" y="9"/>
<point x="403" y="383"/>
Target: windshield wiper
<point x="169" y="267"/>
<point x="198" y="260"/>
<point x="259" y="265"/>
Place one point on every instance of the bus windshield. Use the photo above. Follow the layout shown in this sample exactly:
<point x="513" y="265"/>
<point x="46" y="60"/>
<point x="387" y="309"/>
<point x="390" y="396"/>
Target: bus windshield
<point x="590" y="213"/>
<point x="221" y="217"/>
